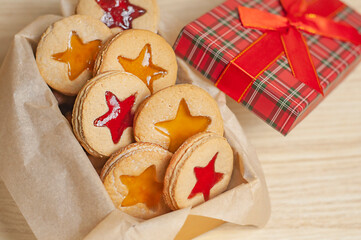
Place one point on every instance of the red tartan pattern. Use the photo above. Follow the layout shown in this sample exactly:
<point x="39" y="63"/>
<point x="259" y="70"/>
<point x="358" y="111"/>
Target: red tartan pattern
<point x="213" y="40"/>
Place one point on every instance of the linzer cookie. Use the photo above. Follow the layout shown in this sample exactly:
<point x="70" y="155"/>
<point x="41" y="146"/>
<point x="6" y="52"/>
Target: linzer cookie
<point x="67" y="50"/>
<point x="176" y="113"/>
<point x="133" y="178"/>
<point x="103" y="112"/>
<point x="123" y="14"/>
<point x="142" y="53"/>
<point x="200" y="170"/>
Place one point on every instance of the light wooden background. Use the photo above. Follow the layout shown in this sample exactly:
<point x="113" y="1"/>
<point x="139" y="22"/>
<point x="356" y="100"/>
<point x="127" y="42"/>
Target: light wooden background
<point x="314" y="174"/>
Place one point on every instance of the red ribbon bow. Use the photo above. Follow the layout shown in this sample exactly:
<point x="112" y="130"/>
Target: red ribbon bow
<point x="283" y="35"/>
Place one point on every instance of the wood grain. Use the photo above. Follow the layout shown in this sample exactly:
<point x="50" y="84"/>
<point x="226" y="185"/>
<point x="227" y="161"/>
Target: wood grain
<point x="314" y="174"/>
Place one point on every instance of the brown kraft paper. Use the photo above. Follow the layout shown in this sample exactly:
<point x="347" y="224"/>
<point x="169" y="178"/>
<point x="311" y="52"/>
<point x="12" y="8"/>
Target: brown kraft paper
<point x="53" y="182"/>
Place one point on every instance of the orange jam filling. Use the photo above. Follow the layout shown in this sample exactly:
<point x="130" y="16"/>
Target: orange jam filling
<point x="183" y="126"/>
<point x="143" y="67"/>
<point x="78" y="56"/>
<point x="143" y="189"/>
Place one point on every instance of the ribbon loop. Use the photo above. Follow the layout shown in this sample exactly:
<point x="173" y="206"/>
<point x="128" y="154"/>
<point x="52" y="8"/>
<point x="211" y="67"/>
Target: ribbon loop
<point x="294" y="8"/>
<point x="316" y="24"/>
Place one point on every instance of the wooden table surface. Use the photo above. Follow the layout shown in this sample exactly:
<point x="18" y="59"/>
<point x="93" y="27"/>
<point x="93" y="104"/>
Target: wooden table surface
<point x="313" y="175"/>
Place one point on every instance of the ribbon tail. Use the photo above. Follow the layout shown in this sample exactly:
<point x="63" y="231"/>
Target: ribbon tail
<point x="299" y="59"/>
<point x="294" y="7"/>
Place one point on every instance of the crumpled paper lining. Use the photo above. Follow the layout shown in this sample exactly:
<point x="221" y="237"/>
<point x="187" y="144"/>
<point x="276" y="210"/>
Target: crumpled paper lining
<point x="43" y="166"/>
<point x="53" y="182"/>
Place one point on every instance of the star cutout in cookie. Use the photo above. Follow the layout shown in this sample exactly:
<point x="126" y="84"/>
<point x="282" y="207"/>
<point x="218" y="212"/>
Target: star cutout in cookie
<point x="119" y="13"/>
<point x="183" y="126"/>
<point x="143" y="189"/>
<point x="119" y="117"/>
<point x="206" y="179"/>
<point x="78" y="56"/>
<point x="143" y="67"/>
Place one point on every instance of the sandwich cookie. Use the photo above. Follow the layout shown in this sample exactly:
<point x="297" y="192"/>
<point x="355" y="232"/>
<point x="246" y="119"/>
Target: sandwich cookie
<point x="176" y="113"/>
<point x="142" y="53"/>
<point x="122" y="14"/>
<point x="133" y="178"/>
<point x="200" y="170"/>
<point x="67" y="51"/>
<point x="103" y="112"/>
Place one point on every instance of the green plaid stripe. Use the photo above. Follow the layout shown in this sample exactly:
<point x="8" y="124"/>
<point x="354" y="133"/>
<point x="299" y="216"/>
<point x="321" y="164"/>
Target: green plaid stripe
<point x="283" y="63"/>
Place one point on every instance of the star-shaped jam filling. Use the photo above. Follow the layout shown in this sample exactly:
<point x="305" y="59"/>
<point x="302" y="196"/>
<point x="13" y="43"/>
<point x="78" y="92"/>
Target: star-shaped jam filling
<point x="119" y="13"/>
<point x="206" y="179"/>
<point x="143" y="189"/>
<point x="78" y="56"/>
<point x="183" y="126"/>
<point x="119" y="117"/>
<point x="143" y="67"/>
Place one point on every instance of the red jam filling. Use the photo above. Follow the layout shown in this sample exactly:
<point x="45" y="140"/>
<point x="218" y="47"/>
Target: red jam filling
<point x="206" y="179"/>
<point x="119" y="13"/>
<point x="119" y="117"/>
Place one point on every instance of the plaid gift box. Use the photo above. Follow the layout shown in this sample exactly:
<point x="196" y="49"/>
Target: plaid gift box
<point x="212" y="41"/>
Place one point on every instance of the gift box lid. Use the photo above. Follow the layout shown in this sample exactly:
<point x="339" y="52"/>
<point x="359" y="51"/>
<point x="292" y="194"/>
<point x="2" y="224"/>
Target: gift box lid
<point x="212" y="41"/>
